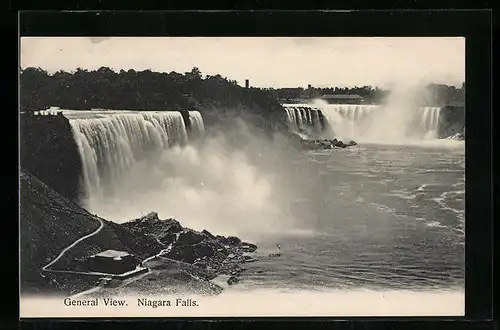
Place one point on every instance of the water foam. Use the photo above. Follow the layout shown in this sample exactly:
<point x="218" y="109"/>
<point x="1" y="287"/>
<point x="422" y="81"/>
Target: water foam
<point x="400" y="120"/>
<point x="139" y="162"/>
<point x="112" y="144"/>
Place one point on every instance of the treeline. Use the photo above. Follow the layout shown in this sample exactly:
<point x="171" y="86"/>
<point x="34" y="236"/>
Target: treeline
<point x="141" y="90"/>
<point x="434" y="94"/>
<point x="439" y="94"/>
<point x="370" y="94"/>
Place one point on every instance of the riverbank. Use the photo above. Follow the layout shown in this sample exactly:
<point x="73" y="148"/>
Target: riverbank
<point x="58" y="237"/>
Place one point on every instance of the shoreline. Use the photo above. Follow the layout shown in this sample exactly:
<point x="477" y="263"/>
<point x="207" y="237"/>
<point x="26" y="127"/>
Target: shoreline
<point x="61" y="258"/>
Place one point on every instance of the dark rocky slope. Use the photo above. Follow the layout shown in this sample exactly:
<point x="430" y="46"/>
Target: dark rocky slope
<point x="50" y="223"/>
<point x="49" y="151"/>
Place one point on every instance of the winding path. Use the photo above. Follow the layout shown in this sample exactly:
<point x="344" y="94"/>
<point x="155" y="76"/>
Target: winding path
<point x="95" y="232"/>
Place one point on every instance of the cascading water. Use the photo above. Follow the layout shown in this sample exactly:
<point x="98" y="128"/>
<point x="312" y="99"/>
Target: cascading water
<point x="430" y="121"/>
<point x="130" y="170"/>
<point x="112" y="143"/>
<point x="292" y="123"/>
<point x="298" y="119"/>
<point x="171" y="123"/>
<point x="303" y="119"/>
<point x="346" y="121"/>
<point x="316" y="124"/>
<point x="372" y="123"/>
<point x="197" y="125"/>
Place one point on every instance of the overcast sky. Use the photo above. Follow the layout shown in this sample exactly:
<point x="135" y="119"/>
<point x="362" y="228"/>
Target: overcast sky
<point x="267" y="62"/>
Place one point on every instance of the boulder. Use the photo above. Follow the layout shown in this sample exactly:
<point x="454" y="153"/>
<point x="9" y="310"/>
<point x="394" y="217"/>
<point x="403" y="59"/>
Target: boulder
<point x="189" y="237"/>
<point x="248" y="247"/>
<point x="171" y="225"/>
<point x="233" y="280"/>
<point x="150" y="217"/>
<point x="233" y="240"/>
<point x="248" y="258"/>
<point x="208" y="234"/>
<point x="201" y="264"/>
<point x="221" y="239"/>
<point x="185" y="253"/>
<point x="203" y="250"/>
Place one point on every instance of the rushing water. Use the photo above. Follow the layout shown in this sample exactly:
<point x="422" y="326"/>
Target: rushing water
<point x="111" y="143"/>
<point x="373" y="216"/>
<point x="383" y="217"/>
<point x="365" y="123"/>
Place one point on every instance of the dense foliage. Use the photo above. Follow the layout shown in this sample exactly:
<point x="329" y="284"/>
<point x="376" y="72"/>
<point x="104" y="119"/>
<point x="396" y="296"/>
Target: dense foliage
<point x="145" y="90"/>
<point x="215" y="96"/>
<point x="434" y="94"/>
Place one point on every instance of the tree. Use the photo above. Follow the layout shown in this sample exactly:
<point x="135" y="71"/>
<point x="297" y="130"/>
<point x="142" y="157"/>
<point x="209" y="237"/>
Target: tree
<point x="195" y="73"/>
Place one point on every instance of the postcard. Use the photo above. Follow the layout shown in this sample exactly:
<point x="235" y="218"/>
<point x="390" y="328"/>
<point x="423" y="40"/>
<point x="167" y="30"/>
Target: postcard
<point x="242" y="176"/>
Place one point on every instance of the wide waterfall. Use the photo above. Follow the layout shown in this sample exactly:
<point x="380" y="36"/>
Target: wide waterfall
<point x="369" y="123"/>
<point x="112" y="143"/>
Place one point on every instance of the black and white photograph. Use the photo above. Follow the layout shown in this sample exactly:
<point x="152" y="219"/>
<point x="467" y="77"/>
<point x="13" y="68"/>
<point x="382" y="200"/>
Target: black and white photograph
<point x="242" y="176"/>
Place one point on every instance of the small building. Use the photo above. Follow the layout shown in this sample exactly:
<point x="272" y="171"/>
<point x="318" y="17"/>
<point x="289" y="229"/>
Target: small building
<point x="113" y="262"/>
<point x="343" y="98"/>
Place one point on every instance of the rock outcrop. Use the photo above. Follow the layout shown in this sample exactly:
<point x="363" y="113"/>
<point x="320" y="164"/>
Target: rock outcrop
<point x="212" y="255"/>
<point x="326" y="144"/>
<point x="49" y="151"/>
<point x="302" y="141"/>
<point x="50" y="223"/>
<point x="457" y="137"/>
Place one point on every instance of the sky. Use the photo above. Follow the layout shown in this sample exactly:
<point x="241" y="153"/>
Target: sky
<point x="265" y="61"/>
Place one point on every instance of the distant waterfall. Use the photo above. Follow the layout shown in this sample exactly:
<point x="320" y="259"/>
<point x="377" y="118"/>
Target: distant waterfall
<point x="366" y="122"/>
<point x="111" y="143"/>
<point x="430" y="120"/>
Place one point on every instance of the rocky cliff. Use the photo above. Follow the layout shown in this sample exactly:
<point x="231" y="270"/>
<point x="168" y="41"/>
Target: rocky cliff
<point x="452" y="121"/>
<point x="48" y="150"/>
<point x="50" y="223"/>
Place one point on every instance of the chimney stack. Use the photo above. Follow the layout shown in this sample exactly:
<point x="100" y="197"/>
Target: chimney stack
<point x="247" y="83"/>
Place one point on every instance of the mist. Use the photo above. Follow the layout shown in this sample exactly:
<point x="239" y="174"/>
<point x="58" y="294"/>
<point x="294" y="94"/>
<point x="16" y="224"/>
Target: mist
<point x="399" y="120"/>
<point x="234" y="182"/>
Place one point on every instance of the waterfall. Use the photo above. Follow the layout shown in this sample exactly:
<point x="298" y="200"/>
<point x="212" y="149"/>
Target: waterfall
<point x="430" y="121"/>
<point x="370" y="122"/>
<point x="292" y="123"/>
<point x="197" y="126"/>
<point x="316" y="124"/>
<point x="171" y="124"/>
<point x="111" y="143"/>
<point x="299" y="125"/>
<point x="303" y="118"/>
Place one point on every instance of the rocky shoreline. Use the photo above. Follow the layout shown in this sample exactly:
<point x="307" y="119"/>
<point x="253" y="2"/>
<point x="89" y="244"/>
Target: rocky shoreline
<point x="326" y="144"/>
<point x="211" y="255"/>
<point x="176" y="257"/>
<point x="184" y="254"/>
<point x="305" y="142"/>
<point x="457" y="137"/>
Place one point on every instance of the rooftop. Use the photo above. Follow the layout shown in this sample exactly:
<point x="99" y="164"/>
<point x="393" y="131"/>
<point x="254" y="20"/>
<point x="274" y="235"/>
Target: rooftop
<point x="341" y="96"/>
<point x="112" y="254"/>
